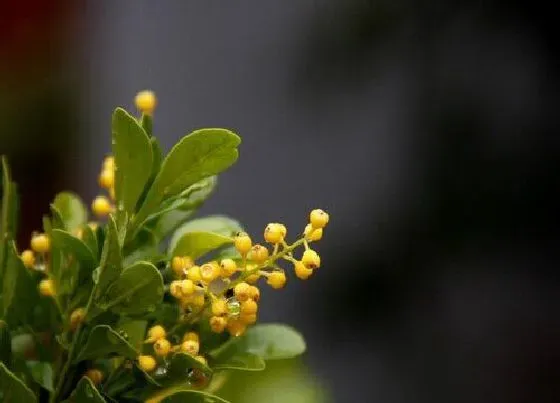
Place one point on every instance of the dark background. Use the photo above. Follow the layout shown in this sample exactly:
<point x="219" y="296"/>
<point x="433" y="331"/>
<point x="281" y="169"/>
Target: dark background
<point x="427" y="129"/>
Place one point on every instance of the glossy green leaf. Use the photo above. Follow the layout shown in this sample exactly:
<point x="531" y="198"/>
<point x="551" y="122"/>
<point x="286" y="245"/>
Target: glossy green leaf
<point x="20" y="293"/>
<point x="201" y="154"/>
<point x="57" y="222"/>
<point x="241" y="362"/>
<point x="72" y="210"/>
<point x="139" y="289"/>
<point x="42" y="373"/>
<point x="180" y="364"/>
<point x="5" y="344"/>
<point x="8" y="214"/>
<point x="217" y="224"/>
<point x="133" y="331"/>
<point x="110" y="267"/>
<point x="197" y="244"/>
<point x="193" y="396"/>
<point x="90" y="239"/>
<point x="71" y="245"/>
<point x="13" y="388"/>
<point x="273" y="341"/>
<point x="102" y="342"/>
<point x="85" y="392"/>
<point x="133" y="158"/>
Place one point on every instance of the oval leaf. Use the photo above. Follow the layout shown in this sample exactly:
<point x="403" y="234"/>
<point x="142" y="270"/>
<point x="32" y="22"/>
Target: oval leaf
<point x="216" y="223"/>
<point x="241" y="362"/>
<point x="13" y="388"/>
<point x="74" y="246"/>
<point x="201" y="154"/>
<point x="72" y="210"/>
<point x="133" y="159"/>
<point x="85" y="392"/>
<point x="110" y="266"/>
<point x="273" y="341"/>
<point x="42" y="373"/>
<point x="197" y="244"/>
<point x="103" y="342"/>
<point x="139" y="289"/>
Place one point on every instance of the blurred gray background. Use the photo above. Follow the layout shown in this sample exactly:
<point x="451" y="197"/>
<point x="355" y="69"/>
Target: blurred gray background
<point x="428" y="130"/>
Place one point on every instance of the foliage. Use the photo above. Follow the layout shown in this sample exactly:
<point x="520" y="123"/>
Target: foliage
<point x="144" y="303"/>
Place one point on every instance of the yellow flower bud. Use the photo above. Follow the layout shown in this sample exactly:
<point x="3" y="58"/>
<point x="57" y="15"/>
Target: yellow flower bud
<point x="218" y="324"/>
<point x="191" y="336"/>
<point x="229" y="267"/>
<point x="40" y="243"/>
<point x="243" y="243"/>
<point x="46" y="288"/>
<point x="28" y="258"/>
<point x="312" y="234"/>
<point x="242" y="291"/>
<point x="258" y="254"/>
<point x="318" y="218"/>
<point x="95" y="375"/>
<point x="146" y="102"/>
<point x="276" y="279"/>
<point x="190" y="347"/>
<point x="101" y="206"/>
<point x="162" y="347"/>
<point x="147" y="363"/>
<point x="311" y="259"/>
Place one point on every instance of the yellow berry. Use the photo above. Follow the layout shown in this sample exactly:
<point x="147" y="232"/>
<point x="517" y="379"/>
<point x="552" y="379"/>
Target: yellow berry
<point x="242" y="291"/>
<point x="40" y="243"/>
<point x="254" y="293"/>
<point x="187" y="287"/>
<point x="275" y="233"/>
<point x="312" y="234"/>
<point x="28" y="258"/>
<point x="311" y="259"/>
<point x="162" y="347"/>
<point x="175" y="289"/>
<point x="155" y="333"/>
<point x="187" y="262"/>
<point x="95" y="375"/>
<point x="193" y="274"/>
<point x="209" y="272"/>
<point x="146" y="102"/>
<point x="219" y="307"/>
<point x="258" y="254"/>
<point x="236" y="327"/>
<point x="191" y="336"/>
<point x="243" y="243"/>
<point x="76" y="318"/>
<point x="276" y="279"/>
<point x="101" y="206"/>
<point x="253" y="278"/>
<point x="46" y="288"/>
<point x="318" y="218"/>
<point x="197" y="300"/>
<point x="218" y="324"/>
<point x="146" y="362"/>
<point x="301" y="271"/>
<point x="190" y="346"/>
<point x="248" y="319"/>
<point x="107" y="179"/>
<point x="201" y="359"/>
<point x="109" y="163"/>
<point x="249" y="307"/>
<point x="177" y="265"/>
<point x="229" y="267"/>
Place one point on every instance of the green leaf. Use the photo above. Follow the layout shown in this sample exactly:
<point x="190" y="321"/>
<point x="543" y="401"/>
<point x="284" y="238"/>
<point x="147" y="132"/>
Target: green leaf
<point x="217" y="224"/>
<point x="8" y="218"/>
<point x="13" y="388"/>
<point x="85" y="392"/>
<point x="133" y="331"/>
<point x="147" y="124"/>
<point x="197" y="244"/>
<point x="57" y="222"/>
<point x="193" y="396"/>
<point x="90" y="239"/>
<point x="180" y="364"/>
<point x="138" y="290"/>
<point x="20" y="293"/>
<point x="71" y="245"/>
<point x="133" y="160"/>
<point x="241" y="362"/>
<point x="42" y="373"/>
<point x="104" y="342"/>
<point x="274" y="341"/>
<point x="72" y="210"/>
<point x="5" y="344"/>
<point x="110" y="266"/>
<point x="201" y="154"/>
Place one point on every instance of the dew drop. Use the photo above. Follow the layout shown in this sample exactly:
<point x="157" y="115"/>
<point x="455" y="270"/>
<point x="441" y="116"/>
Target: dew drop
<point x="160" y="372"/>
<point x="234" y="307"/>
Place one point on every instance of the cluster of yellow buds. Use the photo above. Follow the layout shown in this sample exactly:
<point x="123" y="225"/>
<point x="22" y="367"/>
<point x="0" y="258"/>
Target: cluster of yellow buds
<point x="157" y="336"/>
<point x="226" y="291"/>
<point x="101" y="205"/>
<point x="35" y="258"/>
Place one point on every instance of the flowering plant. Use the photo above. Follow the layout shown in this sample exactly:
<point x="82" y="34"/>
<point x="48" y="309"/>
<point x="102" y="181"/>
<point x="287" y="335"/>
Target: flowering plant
<point x="146" y="303"/>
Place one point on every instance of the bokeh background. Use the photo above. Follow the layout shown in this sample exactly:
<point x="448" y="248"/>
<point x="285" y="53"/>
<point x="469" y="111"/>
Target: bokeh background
<point x="427" y="129"/>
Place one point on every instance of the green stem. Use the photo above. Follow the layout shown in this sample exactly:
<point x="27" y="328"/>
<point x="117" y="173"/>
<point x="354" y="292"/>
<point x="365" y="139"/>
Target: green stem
<point x="62" y="375"/>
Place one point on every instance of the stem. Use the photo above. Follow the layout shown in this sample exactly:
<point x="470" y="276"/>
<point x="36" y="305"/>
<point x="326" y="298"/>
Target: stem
<point x="75" y="339"/>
